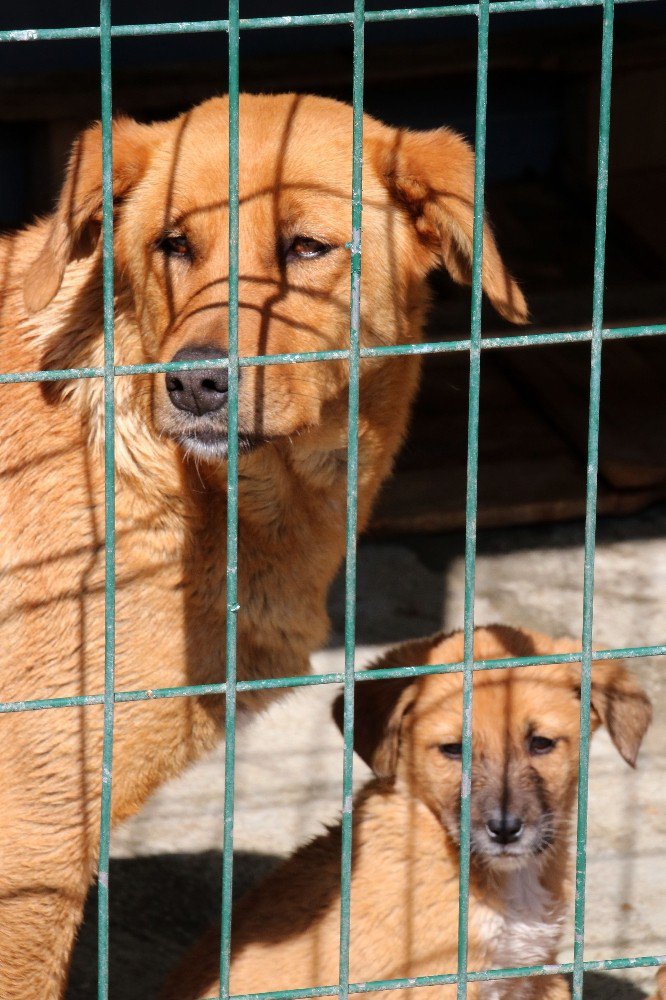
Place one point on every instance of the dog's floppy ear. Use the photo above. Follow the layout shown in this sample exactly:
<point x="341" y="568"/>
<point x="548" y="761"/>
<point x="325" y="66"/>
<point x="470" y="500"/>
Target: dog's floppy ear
<point x="618" y="701"/>
<point x="379" y="708"/>
<point x="432" y="175"/>
<point x="621" y="705"/>
<point x="76" y="223"/>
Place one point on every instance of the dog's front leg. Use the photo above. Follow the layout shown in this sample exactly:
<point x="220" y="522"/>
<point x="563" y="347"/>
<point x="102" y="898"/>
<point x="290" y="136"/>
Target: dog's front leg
<point x="37" y="927"/>
<point x="661" y="984"/>
<point x="49" y="837"/>
<point x="552" y="988"/>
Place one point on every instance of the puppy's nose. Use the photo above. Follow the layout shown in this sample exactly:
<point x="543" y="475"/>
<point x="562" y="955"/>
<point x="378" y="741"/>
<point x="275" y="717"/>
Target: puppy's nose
<point x="203" y="390"/>
<point x="504" y="828"/>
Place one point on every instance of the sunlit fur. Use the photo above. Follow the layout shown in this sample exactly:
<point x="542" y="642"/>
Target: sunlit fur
<point x="405" y="856"/>
<point x="170" y="490"/>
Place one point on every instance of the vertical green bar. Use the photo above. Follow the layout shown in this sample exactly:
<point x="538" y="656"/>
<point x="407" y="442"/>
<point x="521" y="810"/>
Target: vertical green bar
<point x="109" y="504"/>
<point x="352" y="493"/>
<point x="472" y="484"/>
<point x="232" y="508"/>
<point x="591" y="496"/>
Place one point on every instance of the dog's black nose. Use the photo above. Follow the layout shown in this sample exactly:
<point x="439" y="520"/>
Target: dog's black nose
<point x="504" y="828"/>
<point x="203" y="390"/>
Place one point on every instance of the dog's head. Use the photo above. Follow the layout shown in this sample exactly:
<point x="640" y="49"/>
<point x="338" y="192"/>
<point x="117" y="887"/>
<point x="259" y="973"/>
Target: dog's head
<point x="525" y="737"/>
<point x="170" y="189"/>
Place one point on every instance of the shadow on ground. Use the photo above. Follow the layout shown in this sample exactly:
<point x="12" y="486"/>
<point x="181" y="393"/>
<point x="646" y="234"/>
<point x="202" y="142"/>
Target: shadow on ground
<point x="160" y="905"/>
<point x="603" y="986"/>
<point x="394" y="605"/>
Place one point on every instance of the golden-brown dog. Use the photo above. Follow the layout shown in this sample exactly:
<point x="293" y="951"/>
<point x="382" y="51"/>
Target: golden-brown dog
<point x="406" y="831"/>
<point x="170" y="185"/>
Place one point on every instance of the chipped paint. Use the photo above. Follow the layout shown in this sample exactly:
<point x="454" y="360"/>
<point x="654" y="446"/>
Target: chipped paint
<point x="26" y="35"/>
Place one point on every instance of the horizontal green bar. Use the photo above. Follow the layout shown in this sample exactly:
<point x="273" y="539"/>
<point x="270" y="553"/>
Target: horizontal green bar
<point x="306" y="357"/>
<point x="604" y="965"/>
<point x="298" y="21"/>
<point x="310" y="680"/>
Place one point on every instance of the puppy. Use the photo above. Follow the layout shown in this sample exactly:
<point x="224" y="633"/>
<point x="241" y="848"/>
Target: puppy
<point x="406" y="831"/>
<point x="170" y="189"/>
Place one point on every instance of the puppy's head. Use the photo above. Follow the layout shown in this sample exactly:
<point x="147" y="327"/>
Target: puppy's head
<point x="525" y="737"/>
<point x="170" y="188"/>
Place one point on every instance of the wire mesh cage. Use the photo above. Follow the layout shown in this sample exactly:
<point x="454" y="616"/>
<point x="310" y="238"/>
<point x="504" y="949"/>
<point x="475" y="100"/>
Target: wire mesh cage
<point x="473" y="346"/>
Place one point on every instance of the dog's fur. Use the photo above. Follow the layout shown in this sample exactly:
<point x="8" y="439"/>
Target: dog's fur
<point x="661" y="984"/>
<point x="404" y="889"/>
<point x="170" y="181"/>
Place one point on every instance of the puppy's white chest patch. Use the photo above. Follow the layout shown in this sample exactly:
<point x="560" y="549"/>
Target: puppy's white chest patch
<point x="525" y="931"/>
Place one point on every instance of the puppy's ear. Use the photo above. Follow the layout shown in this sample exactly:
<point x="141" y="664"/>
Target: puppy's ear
<point x="432" y="175"/>
<point x="76" y="223"/>
<point x="621" y="705"/>
<point x="379" y="708"/>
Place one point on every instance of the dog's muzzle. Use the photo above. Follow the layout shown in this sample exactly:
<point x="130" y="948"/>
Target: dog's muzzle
<point x="199" y="398"/>
<point x="202" y="390"/>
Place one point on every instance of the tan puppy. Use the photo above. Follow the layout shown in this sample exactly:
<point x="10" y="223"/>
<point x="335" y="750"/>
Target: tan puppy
<point x="404" y="895"/>
<point x="170" y="185"/>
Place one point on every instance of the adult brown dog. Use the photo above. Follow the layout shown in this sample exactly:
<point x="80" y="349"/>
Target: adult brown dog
<point x="170" y="184"/>
<point x="406" y="832"/>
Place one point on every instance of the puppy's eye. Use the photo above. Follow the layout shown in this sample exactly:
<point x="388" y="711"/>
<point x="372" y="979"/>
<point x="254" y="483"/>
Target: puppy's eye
<point x="452" y="750"/>
<point x="305" y="248"/>
<point x="174" y="245"/>
<point x="540" y="745"/>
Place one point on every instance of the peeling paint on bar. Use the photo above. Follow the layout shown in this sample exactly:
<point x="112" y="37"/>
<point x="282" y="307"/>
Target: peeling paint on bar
<point x="106" y="114"/>
<point x="232" y="506"/>
<point x="26" y="35"/>
<point x="591" y="496"/>
<point x="297" y="21"/>
<point x="198" y="690"/>
<point x="351" y="494"/>
<point x="446" y="979"/>
<point x="471" y="496"/>
<point x="306" y="357"/>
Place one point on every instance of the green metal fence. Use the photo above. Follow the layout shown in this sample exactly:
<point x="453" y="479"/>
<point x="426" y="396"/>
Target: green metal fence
<point x="596" y="335"/>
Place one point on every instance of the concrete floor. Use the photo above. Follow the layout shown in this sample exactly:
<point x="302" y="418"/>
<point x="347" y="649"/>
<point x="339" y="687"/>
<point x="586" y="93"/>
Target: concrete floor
<point x="165" y="875"/>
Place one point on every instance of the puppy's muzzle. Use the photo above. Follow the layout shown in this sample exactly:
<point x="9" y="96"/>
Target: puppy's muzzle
<point x="202" y="390"/>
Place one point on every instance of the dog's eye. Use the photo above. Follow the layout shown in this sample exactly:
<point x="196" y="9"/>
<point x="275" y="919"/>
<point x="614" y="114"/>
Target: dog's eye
<point x="174" y="245"/>
<point x="540" y="744"/>
<point x="452" y="750"/>
<point x="305" y="248"/>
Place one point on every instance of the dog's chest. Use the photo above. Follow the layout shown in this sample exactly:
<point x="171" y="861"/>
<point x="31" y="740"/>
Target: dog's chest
<point x="524" y="931"/>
